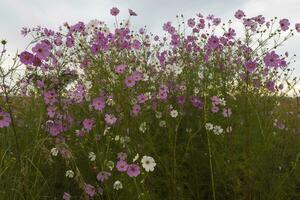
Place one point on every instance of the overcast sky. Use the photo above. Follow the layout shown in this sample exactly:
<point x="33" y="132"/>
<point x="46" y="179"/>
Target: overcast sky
<point x="15" y="14"/>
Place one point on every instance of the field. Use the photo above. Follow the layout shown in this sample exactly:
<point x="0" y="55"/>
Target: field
<point x="92" y="112"/>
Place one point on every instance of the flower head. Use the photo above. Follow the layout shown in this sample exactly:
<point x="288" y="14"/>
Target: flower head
<point x="114" y="11"/>
<point x="103" y="176"/>
<point x="5" y="119"/>
<point x="284" y="24"/>
<point x="133" y="170"/>
<point x="148" y="163"/>
<point x="118" y="185"/>
<point x="122" y="166"/>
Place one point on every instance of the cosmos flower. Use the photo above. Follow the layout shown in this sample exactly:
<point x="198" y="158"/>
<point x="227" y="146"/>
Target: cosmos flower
<point x="148" y="163"/>
<point x="133" y="170"/>
<point x="5" y="119"/>
<point x="122" y="166"/>
<point x="103" y="176"/>
<point x="284" y="24"/>
<point x="114" y="11"/>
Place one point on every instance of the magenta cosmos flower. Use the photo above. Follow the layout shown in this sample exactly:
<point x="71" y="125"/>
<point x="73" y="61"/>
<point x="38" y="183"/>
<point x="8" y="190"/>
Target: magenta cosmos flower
<point x="122" y="166"/>
<point x="129" y="81"/>
<point x="42" y="50"/>
<point x="114" y="11"/>
<point x="131" y="12"/>
<point x="4" y="119"/>
<point x="297" y="27"/>
<point x="120" y="69"/>
<point x="239" y="14"/>
<point x="133" y="170"/>
<point x="250" y="66"/>
<point x="66" y="196"/>
<point x="88" y="124"/>
<point x="110" y="119"/>
<point x="103" y="176"/>
<point x="50" y="97"/>
<point x="89" y="190"/>
<point x="26" y="58"/>
<point x="284" y="24"/>
<point x="98" y="103"/>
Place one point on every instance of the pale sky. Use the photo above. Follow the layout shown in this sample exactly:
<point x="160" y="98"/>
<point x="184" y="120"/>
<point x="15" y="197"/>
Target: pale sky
<point x="15" y="14"/>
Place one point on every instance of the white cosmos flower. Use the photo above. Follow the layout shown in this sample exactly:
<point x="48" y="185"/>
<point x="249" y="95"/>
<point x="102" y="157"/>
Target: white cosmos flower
<point x="148" y="163"/>
<point x="136" y="157"/>
<point x="54" y="151"/>
<point x="174" y="113"/>
<point x="118" y="185"/>
<point x="92" y="156"/>
<point x="69" y="174"/>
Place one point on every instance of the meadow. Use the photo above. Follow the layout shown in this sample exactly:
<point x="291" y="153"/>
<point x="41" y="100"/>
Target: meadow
<point x="200" y="112"/>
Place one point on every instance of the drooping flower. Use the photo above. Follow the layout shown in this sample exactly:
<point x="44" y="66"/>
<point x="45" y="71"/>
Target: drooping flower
<point x="114" y="11"/>
<point x="66" y="196"/>
<point x="133" y="170"/>
<point x="131" y="12"/>
<point x="122" y="166"/>
<point x="297" y="27"/>
<point x="103" y="176"/>
<point x="5" y="119"/>
<point x="284" y="24"/>
<point x="118" y="185"/>
<point x="89" y="190"/>
<point x="227" y="112"/>
<point x="148" y="163"/>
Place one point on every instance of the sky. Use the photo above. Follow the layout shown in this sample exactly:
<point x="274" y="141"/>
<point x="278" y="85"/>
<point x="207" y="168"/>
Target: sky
<point x="15" y="14"/>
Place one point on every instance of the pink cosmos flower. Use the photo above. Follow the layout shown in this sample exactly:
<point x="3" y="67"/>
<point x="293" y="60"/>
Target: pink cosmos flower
<point x="131" y="12"/>
<point x="5" y="119"/>
<point x="70" y="41"/>
<point x="98" y="103"/>
<point x="50" y="97"/>
<point x="129" y="81"/>
<point x="89" y="190"/>
<point x="55" y="129"/>
<point x="270" y="85"/>
<point x="284" y="24"/>
<point x="66" y="196"/>
<point x="181" y="100"/>
<point x="103" y="176"/>
<point x="26" y="58"/>
<point x="114" y="11"/>
<point x="239" y="14"/>
<point x="272" y="60"/>
<point x="88" y="124"/>
<point x="122" y="166"/>
<point x="110" y="119"/>
<point x="214" y="109"/>
<point x="191" y="22"/>
<point x="297" y="27"/>
<point x="136" y="109"/>
<point x="250" y="66"/>
<point x="142" y="98"/>
<point x="41" y="50"/>
<point x="133" y="170"/>
<point x="120" y="69"/>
